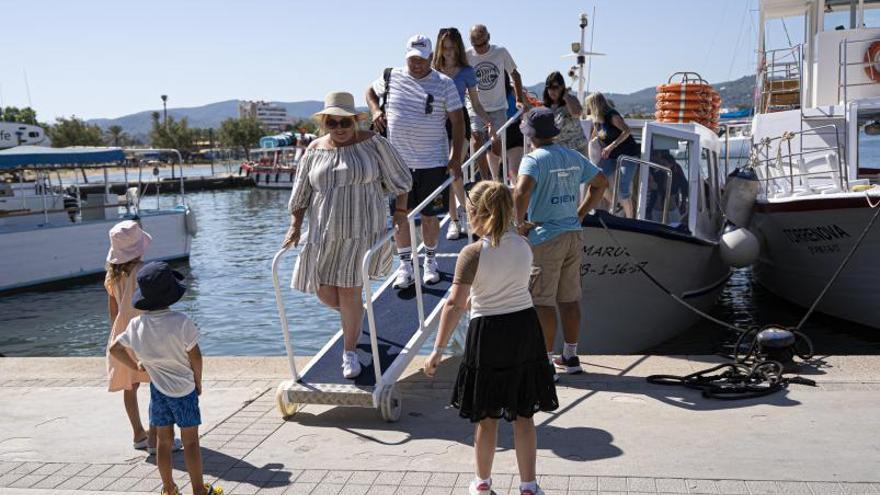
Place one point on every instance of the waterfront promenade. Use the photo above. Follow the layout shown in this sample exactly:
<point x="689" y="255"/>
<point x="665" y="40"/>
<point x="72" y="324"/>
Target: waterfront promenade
<point x="62" y="433"/>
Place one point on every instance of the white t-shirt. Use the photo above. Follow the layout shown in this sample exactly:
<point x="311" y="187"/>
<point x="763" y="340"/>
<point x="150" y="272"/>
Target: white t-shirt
<point x="419" y="137"/>
<point x="161" y="340"/>
<point x="490" y="68"/>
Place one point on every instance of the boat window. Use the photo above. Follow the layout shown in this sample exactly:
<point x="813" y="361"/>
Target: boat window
<point x="33" y="134"/>
<point x="869" y="141"/>
<point x="705" y="175"/>
<point x="675" y="154"/>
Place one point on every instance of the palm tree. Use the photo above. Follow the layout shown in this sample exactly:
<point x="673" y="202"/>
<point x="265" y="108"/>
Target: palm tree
<point x="115" y="133"/>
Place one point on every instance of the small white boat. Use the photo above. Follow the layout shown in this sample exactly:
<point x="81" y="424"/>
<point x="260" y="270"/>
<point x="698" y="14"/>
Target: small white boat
<point x="41" y="243"/>
<point x="817" y="156"/>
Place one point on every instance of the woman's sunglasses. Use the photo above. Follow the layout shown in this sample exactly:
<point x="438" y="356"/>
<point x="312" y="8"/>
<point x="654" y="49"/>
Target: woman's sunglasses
<point x="345" y="123"/>
<point x="555" y="86"/>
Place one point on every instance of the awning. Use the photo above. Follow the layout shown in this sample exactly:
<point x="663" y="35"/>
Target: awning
<point x="45" y="157"/>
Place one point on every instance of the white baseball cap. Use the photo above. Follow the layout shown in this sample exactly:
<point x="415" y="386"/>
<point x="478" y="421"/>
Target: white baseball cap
<point x="419" y="46"/>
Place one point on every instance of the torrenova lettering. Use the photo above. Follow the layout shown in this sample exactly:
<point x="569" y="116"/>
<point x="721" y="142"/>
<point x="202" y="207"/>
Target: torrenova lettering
<point x="815" y="234"/>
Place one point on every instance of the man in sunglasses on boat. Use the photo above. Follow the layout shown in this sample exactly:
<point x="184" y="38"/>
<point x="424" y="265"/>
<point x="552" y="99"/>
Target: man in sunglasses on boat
<point x="416" y="102"/>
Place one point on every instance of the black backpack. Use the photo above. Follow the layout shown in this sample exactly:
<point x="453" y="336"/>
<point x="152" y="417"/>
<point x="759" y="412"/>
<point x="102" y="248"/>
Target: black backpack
<point x="386" y="76"/>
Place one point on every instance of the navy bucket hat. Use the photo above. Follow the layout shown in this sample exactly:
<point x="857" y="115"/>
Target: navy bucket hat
<point x="158" y="286"/>
<point x="539" y="123"/>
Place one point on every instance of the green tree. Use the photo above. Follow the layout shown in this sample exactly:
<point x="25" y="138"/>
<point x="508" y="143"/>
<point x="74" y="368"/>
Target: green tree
<point x="116" y="136"/>
<point x="174" y="134"/>
<point x="25" y="115"/>
<point x="74" y="132"/>
<point x="244" y="132"/>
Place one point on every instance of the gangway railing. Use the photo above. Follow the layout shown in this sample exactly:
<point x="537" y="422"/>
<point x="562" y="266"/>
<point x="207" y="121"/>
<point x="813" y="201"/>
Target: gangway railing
<point x="370" y="297"/>
<point x="411" y="220"/>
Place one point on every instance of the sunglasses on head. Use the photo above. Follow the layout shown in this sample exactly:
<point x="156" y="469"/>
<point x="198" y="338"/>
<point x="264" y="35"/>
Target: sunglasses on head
<point x="344" y="123"/>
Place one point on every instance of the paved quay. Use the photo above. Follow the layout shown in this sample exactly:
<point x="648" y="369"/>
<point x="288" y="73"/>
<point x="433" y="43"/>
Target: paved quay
<point x="62" y="433"/>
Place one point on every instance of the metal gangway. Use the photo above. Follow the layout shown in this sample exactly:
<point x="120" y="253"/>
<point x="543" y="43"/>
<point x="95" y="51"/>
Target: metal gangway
<point x="396" y="322"/>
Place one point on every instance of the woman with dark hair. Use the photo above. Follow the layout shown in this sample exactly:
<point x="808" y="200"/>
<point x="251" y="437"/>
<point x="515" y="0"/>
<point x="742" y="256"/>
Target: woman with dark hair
<point x="567" y="111"/>
<point x="450" y="59"/>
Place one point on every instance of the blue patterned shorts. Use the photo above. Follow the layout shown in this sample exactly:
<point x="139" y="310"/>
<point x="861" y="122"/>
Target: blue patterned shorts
<point x="168" y="411"/>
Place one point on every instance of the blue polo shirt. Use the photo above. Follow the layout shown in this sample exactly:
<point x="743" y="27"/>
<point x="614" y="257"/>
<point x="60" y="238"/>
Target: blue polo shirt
<point x="558" y="172"/>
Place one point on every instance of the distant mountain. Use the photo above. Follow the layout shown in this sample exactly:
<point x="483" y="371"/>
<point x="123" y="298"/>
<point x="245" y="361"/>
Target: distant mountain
<point x="736" y="93"/>
<point x="205" y="116"/>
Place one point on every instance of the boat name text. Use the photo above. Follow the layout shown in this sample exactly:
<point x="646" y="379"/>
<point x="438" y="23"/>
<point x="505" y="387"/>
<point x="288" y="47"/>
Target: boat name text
<point x="625" y="268"/>
<point x="819" y="233"/>
<point x="606" y="251"/>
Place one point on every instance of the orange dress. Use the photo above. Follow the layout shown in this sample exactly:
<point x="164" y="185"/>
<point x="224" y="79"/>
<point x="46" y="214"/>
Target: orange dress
<point x="119" y="376"/>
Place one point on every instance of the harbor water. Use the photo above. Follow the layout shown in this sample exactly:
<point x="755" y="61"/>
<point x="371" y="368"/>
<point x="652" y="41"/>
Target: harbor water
<point x="231" y="298"/>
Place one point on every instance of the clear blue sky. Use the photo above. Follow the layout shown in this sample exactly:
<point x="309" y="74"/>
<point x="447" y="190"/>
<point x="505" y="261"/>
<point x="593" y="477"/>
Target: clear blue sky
<point x="110" y="58"/>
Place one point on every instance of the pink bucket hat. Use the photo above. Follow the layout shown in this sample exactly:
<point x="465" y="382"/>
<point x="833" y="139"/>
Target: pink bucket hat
<point x="127" y="242"/>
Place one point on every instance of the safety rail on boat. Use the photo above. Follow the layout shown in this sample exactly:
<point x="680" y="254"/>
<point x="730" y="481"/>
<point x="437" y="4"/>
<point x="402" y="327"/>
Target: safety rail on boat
<point x="142" y="187"/>
<point x="727" y="127"/>
<point x="644" y="168"/>
<point x="277" y="153"/>
<point x="844" y="64"/>
<point x="411" y="219"/>
<point x="782" y="70"/>
<point x="780" y="157"/>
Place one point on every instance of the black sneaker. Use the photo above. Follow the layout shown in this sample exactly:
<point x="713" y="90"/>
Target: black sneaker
<point x="570" y="366"/>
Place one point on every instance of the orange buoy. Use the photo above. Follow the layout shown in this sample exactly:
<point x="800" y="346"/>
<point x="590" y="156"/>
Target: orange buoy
<point x="871" y="61"/>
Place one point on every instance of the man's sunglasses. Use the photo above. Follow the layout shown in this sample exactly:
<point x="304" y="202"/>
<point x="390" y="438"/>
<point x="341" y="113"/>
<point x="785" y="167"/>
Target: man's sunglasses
<point x="429" y="104"/>
<point x="345" y="123"/>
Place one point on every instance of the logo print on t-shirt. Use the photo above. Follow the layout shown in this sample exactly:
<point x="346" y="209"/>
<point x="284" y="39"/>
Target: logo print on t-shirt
<point x="487" y="75"/>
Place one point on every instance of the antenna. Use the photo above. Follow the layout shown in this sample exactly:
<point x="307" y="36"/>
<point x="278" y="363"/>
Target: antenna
<point x="27" y="88"/>
<point x="1" y="96"/>
<point x="590" y="61"/>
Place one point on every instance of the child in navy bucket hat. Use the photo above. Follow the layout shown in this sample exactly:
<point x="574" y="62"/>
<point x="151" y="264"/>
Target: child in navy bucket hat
<point x="166" y="344"/>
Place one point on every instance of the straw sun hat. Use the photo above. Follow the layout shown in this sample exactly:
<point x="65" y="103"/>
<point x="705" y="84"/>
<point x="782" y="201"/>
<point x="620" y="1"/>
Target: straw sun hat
<point x="341" y="104"/>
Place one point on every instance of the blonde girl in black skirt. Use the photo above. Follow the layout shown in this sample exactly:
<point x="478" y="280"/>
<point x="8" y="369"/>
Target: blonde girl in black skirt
<point x="504" y="372"/>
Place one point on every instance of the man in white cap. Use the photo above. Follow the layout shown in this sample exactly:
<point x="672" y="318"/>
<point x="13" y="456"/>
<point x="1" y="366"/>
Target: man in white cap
<point x="416" y="102"/>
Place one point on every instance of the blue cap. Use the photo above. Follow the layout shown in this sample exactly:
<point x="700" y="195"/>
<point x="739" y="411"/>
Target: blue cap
<point x="539" y="123"/>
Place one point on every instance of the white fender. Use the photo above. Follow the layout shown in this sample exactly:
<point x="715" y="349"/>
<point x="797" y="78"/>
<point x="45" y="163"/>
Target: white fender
<point x="739" y="247"/>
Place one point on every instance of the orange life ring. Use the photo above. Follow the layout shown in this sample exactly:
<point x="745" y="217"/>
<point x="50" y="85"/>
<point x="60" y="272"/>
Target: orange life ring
<point x="684" y="105"/>
<point x="672" y="96"/>
<point x="871" y="61"/>
<point x="683" y="87"/>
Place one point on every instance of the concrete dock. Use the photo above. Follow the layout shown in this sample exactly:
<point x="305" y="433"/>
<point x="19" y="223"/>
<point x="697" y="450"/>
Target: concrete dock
<point x="62" y="433"/>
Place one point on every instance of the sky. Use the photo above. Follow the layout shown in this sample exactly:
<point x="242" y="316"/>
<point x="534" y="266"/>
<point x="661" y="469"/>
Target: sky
<point x="104" y="58"/>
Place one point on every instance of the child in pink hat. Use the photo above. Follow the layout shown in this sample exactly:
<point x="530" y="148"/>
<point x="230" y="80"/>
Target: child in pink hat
<point x="128" y="242"/>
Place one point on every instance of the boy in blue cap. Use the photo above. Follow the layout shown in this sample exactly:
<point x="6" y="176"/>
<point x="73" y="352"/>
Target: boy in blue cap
<point x="166" y="344"/>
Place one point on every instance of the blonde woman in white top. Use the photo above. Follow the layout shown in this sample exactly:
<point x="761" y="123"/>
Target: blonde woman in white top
<point x="504" y="372"/>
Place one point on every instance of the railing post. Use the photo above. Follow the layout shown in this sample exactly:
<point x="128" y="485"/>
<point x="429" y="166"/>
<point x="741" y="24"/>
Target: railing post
<point x="504" y="166"/>
<point x="279" y="302"/>
<point x="417" y="272"/>
<point x="371" y="318"/>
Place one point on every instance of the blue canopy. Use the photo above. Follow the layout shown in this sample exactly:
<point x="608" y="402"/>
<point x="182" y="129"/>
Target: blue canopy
<point x="44" y="157"/>
<point x="737" y="114"/>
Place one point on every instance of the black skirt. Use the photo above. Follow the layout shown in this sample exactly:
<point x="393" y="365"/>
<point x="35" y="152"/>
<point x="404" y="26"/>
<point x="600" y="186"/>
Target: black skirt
<point x="505" y="372"/>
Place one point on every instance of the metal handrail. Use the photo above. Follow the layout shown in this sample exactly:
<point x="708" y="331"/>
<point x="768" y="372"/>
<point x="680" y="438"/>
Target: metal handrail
<point x="842" y="171"/>
<point x="643" y="163"/>
<point x="843" y="64"/>
<point x="279" y="301"/>
<point x="371" y="320"/>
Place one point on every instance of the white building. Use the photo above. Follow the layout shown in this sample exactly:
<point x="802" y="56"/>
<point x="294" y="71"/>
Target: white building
<point x="272" y="116"/>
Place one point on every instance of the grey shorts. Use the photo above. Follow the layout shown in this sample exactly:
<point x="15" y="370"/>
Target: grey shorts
<point x="498" y="117"/>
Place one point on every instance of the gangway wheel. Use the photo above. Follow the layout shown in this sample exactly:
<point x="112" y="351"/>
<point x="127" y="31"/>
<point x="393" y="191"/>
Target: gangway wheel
<point x="285" y="407"/>
<point x="390" y="404"/>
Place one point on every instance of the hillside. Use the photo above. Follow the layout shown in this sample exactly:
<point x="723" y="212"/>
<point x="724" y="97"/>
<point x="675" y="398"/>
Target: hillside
<point x="737" y="93"/>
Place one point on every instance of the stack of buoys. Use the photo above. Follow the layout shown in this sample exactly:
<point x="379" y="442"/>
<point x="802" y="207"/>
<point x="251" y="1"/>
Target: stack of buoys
<point x="692" y="99"/>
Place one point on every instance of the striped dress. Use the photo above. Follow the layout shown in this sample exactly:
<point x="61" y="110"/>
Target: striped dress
<point x="344" y="192"/>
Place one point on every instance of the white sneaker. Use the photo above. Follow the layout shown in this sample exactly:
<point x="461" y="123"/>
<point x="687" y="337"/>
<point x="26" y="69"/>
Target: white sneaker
<point x="404" y="277"/>
<point x="454" y="230"/>
<point x="351" y="367"/>
<point x="432" y="272"/>
<point x="479" y="488"/>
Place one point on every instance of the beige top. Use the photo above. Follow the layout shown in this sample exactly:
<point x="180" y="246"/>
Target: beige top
<point x="120" y="377"/>
<point x="498" y="276"/>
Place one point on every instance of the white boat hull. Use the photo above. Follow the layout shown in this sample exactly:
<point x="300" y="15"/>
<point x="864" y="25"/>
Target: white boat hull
<point x="622" y="310"/>
<point x="803" y="243"/>
<point x="274" y="180"/>
<point x="31" y="256"/>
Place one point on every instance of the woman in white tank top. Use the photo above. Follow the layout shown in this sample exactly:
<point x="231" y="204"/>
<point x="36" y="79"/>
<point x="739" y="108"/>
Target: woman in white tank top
<point x="504" y="372"/>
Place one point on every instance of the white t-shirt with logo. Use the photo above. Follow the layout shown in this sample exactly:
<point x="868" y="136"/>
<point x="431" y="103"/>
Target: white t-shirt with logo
<point x="161" y="340"/>
<point x="418" y="135"/>
<point x="490" y="68"/>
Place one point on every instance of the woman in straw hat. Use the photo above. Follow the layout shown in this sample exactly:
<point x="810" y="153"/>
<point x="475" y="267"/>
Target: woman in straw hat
<point x="128" y="242"/>
<point x="341" y="184"/>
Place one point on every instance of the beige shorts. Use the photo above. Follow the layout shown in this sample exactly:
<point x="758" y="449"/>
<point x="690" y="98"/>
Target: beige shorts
<point x="556" y="269"/>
